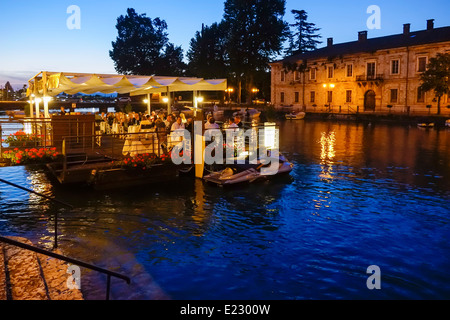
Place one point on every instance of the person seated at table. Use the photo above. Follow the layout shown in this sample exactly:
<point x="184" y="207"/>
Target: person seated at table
<point x="169" y="122"/>
<point x="232" y="123"/>
<point x="178" y="124"/>
<point x="146" y="121"/>
<point x="189" y="125"/>
<point x="183" y="118"/>
<point x="161" y="132"/>
<point x="208" y="117"/>
<point x="110" y="118"/>
<point x="98" y="117"/>
<point x="237" y="121"/>
<point x="211" y="124"/>
<point x="132" y="121"/>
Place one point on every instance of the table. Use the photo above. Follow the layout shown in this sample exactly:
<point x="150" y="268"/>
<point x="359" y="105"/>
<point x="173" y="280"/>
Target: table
<point x="134" y="147"/>
<point x="133" y="129"/>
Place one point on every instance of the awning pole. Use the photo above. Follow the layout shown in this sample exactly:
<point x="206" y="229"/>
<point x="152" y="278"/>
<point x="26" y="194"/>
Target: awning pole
<point x="195" y="103"/>
<point x="169" y="108"/>
<point x="149" y="105"/>
<point x="45" y="98"/>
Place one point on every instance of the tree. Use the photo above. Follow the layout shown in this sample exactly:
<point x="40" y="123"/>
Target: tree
<point x="207" y="52"/>
<point x="255" y="34"/>
<point x="142" y="46"/>
<point x="437" y="77"/>
<point x="171" y="62"/>
<point x="304" y="37"/>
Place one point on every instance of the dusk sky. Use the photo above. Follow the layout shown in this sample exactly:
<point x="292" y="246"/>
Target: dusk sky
<point x="35" y="36"/>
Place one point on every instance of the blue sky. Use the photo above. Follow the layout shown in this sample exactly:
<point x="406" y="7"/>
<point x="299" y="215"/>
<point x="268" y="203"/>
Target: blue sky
<point x="35" y="36"/>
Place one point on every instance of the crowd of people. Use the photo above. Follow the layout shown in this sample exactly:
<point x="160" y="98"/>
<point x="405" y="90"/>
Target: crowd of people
<point x="163" y="121"/>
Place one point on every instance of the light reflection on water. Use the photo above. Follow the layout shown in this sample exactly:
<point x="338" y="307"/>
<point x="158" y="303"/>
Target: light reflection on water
<point x="359" y="195"/>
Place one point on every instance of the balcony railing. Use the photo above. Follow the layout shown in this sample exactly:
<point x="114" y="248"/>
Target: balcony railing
<point x="370" y="77"/>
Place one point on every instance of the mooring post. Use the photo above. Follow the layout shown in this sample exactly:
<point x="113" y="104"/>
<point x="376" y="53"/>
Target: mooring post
<point x="1" y="135"/>
<point x="64" y="158"/>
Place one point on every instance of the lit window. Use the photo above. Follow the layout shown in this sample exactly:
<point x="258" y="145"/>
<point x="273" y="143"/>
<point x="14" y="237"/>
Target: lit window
<point x="421" y="64"/>
<point x="395" y="66"/>
<point x="420" y="95"/>
<point x="348" y="96"/>
<point x="349" y="70"/>
<point x="371" y="72"/>
<point x="394" y="95"/>
<point x="312" y="74"/>
<point x="330" y="72"/>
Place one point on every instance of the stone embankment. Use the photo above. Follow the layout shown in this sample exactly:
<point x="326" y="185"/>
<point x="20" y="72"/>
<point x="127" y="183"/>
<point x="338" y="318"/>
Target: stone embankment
<point x="26" y="275"/>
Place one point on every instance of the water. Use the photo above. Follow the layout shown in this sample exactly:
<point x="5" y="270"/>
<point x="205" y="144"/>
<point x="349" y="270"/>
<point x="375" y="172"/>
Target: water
<point x="360" y="194"/>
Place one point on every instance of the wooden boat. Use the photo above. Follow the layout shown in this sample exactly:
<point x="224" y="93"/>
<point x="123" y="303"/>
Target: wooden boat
<point x="295" y="116"/>
<point x="103" y="174"/>
<point x="115" y="178"/>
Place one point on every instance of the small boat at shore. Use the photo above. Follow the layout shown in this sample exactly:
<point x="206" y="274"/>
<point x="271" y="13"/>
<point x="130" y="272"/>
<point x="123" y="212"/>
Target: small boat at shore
<point x="295" y="116"/>
<point x="237" y="174"/>
<point x="425" y="125"/>
<point x="249" y="113"/>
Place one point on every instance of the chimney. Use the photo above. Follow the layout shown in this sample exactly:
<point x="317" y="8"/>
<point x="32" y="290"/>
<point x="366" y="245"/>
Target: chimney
<point x="406" y="28"/>
<point x="430" y="24"/>
<point x="362" y="36"/>
<point x="330" y="42"/>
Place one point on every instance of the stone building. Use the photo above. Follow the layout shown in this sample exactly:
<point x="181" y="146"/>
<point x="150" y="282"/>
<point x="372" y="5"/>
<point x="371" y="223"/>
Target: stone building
<point x="368" y="75"/>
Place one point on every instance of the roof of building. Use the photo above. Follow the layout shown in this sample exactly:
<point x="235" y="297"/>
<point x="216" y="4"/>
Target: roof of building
<point x="409" y="39"/>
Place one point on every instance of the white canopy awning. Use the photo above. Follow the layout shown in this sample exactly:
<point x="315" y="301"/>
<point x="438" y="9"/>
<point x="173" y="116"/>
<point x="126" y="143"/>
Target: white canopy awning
<point x="53" y="83"/>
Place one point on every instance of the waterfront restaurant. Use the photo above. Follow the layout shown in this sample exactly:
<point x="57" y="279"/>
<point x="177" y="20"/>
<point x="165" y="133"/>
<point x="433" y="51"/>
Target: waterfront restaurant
<point x="47" y="84"/>
<point x="77" y="131"/>
<point x="378" y="75"/>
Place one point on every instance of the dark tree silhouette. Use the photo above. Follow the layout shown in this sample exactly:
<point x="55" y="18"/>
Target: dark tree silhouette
<point x="142" y="46"/>
<point x="255" y="34"/>
<point x="305" y="37"/>
<point x="207" y="54"/>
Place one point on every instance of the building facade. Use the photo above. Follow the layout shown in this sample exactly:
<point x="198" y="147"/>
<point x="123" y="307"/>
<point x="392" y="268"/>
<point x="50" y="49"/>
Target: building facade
<point x="368" y="75"/>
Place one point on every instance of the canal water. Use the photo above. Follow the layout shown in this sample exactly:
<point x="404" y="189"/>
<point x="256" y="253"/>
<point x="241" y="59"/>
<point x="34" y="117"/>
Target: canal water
<point x="360" y="194"/>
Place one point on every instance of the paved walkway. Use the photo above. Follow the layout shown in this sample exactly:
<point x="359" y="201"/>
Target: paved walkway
<point x="25" y="275"/>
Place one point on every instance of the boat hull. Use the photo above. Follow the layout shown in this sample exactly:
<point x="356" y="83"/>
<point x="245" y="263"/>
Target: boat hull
<point x="124" y="178"/>
<point x="246" y="176"/>
<point x="297" y="116"/>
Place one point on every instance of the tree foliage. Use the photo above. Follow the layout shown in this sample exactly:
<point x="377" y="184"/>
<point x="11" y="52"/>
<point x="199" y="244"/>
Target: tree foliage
<point x="142" y="46"/>
<point x="437" y="77"/>
<point x="305" y="37"/>
<point x="255" y="34"/>
<point x="207" y="54"/>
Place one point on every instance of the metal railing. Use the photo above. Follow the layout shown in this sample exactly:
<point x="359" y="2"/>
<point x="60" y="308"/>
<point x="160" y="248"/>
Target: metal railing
<point x="55" y="244"/>
<point x="370" y="77"/>
<point x="108" y="273"/>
